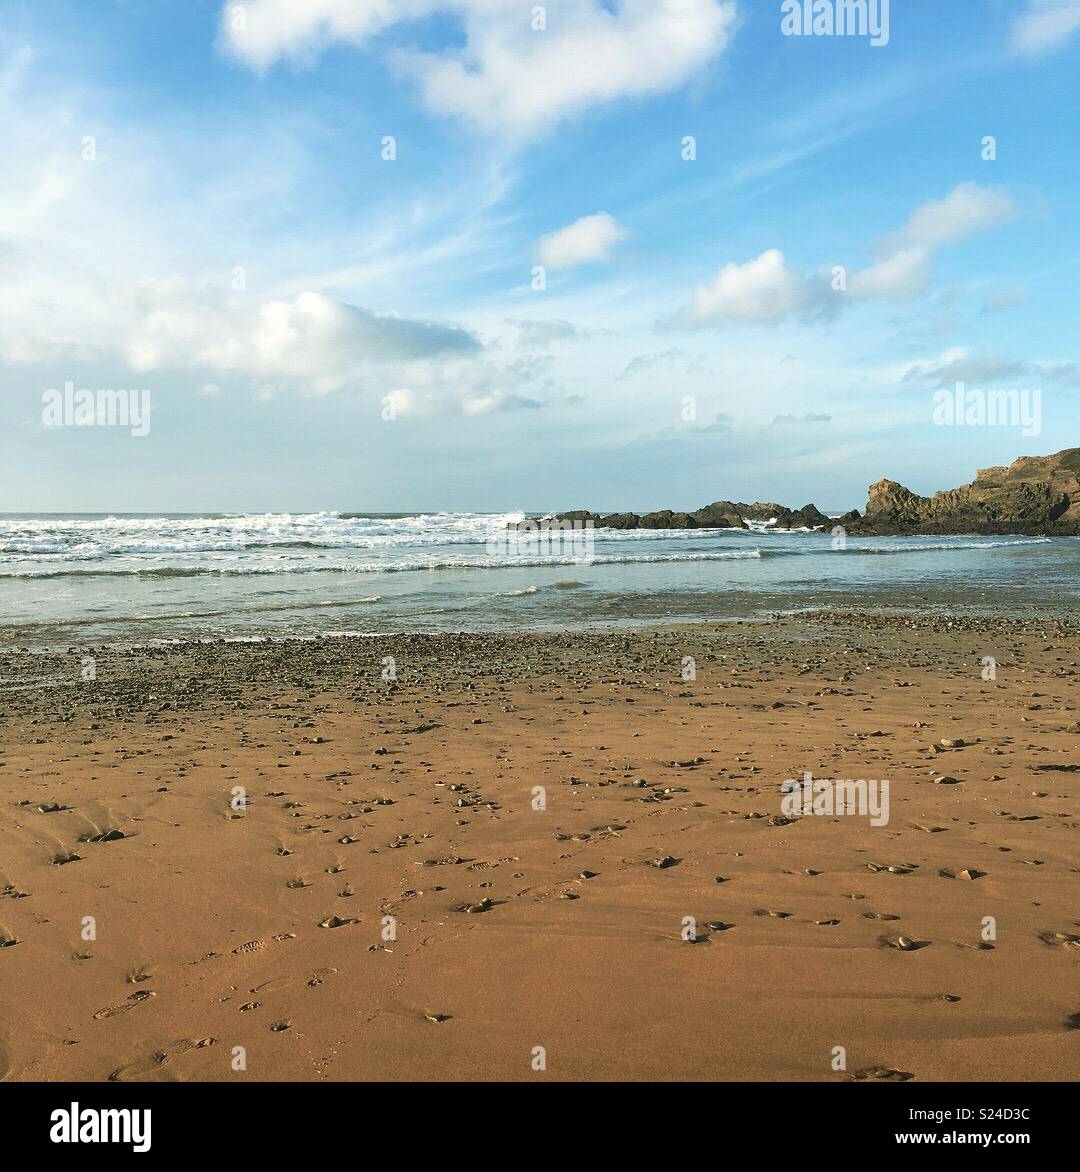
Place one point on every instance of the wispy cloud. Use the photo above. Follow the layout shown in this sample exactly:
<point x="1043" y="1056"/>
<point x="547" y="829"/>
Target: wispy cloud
<point x="520" y="71"/>
<point x="1045" y="25"/>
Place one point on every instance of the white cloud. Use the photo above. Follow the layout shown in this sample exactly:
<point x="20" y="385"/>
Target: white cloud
<point x="967" y="209"/>
<point x="899" y="277"/>
<point x="767" y="289"/>
<point x="311" y="343"/>
<point x="645" y="363"/>
<point x="261" y="32"/>
<point x="971" y="368"/>
<point x="508" y="77"/>
<point x="1045" y="25"/>
<point x="588" y="239"/>
<point x="533" y="334"/>
<point x="319" y="342"/>
<point x="761" y="290"/>
<point x="961" y="365"/>
<point x="923" y="367"/>
<point x="906" y="268"/>
<point x="407" y="403"/>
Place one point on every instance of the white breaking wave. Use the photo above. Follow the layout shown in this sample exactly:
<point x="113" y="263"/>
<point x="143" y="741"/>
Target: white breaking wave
<point x="947" y="543"/>
<point x="380" y="567"/>
<point x="84" y="538"/>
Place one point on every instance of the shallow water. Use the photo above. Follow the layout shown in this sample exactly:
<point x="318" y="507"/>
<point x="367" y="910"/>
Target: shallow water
<point x="89" y="579"/>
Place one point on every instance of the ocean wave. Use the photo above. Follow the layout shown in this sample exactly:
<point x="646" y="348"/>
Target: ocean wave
<point x="953" y="545"/>
<point x="55" y="542"/>
<point x="376" y="567"/>
<point x="91" y="537"/>
<point x="236" y="613"/>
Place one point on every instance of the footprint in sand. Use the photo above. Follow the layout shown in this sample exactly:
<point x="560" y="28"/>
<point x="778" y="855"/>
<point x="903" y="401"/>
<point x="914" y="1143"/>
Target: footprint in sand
<point x="146" y="1066"/>
<point x="247" y="948"/>
<point x="250" y="946"/>
<point x="314" y="978"/>
<point x="124" y="1006"/>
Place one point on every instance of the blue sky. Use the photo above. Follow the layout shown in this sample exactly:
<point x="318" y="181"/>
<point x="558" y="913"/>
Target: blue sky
<point x="322" y="328"/>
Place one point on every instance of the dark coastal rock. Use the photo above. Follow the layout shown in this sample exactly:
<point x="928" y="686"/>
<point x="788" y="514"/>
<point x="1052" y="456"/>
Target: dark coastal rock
<point x="765" y="511"/>
<point x="579" y="515"/>
<point x="1033" y="495"/>
<point x="719" y="515"/>
<point x="781" y="517"/>
<point x="620" y="521"/>
<point x="666" y="519"/>
<point x="810" y="517"/>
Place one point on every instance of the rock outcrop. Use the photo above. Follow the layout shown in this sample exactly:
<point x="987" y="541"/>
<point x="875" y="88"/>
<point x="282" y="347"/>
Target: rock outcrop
<point x="718" y="515"/>
<point x="1035" y="495"/>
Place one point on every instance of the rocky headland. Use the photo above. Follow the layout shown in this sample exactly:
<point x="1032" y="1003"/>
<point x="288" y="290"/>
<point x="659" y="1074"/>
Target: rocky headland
<point x="1035" y="495"/>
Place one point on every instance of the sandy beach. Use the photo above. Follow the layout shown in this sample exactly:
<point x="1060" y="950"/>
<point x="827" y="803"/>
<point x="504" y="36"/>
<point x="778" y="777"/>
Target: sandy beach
<point x="544" y="857"/>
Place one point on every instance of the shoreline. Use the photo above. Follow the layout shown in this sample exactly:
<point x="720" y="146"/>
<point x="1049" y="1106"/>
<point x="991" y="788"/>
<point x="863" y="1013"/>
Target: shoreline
<point x="1063" y="613"/>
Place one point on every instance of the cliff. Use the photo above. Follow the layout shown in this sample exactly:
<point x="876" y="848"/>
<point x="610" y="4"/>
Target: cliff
<point x="1033" y="495"/>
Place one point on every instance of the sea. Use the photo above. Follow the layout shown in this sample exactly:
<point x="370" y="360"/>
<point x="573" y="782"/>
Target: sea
<point x="88" y="580"/>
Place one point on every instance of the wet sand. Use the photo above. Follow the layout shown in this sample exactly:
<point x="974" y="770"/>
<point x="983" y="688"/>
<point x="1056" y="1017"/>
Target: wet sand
<point x="390" y="903"/>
